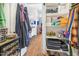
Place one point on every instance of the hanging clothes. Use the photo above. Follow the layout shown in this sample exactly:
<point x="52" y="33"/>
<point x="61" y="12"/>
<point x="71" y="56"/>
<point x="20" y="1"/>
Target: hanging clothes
<point x="28" y="27"/>
<point x="22" y="26"/>
<point x="2" y="16"/>
<point x="74" y="31"/>
<point x="27" y="18"/>
<point x="18" y="25"/>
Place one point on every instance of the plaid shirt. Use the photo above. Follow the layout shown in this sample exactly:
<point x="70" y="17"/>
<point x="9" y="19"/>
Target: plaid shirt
<point x="74" y="31"/>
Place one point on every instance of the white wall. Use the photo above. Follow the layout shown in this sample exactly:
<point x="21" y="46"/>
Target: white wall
<point x="44" y="27"/>
<point x="64" y="8"/>
<point x="13" y="16"/>
<point x="33" y="9"/>
<point x="33" y="12"/>
<point x="10" y="15"/>
<point x="7" y="16"/>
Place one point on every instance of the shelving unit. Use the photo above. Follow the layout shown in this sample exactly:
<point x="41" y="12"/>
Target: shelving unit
<point x="55" y="14"/>
<point x="10" y="47"/>
<point x="47" y="27"/>
<point x="57" y="50"/>
<point x="55" y="37"/>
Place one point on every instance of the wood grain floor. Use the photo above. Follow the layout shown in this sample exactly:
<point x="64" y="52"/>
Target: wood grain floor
<point x="35" y="47"/>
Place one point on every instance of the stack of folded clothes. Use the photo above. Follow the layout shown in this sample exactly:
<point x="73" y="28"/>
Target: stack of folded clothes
<point x="56" y="44"/>
<point x="53" y="44"/>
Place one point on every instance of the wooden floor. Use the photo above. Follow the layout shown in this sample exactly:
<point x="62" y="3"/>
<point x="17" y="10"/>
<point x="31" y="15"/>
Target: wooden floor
<point x="35" y="47"/>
